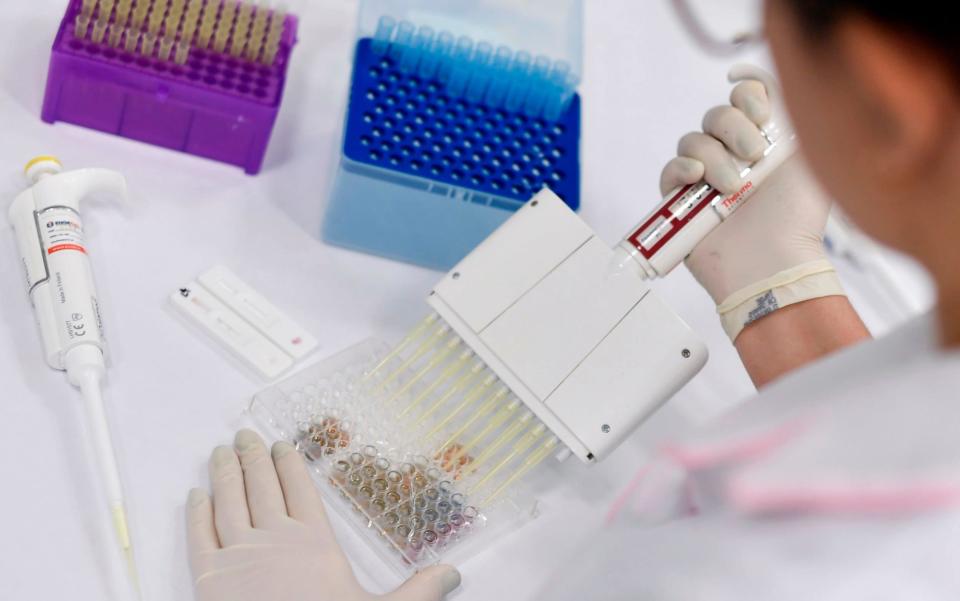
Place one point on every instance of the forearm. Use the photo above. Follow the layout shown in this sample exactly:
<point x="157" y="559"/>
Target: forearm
<point x="777" y="293"/>
<point x="795" y="335"/>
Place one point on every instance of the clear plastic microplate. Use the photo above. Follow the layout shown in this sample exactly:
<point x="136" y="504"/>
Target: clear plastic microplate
<point x="376" y="462"/>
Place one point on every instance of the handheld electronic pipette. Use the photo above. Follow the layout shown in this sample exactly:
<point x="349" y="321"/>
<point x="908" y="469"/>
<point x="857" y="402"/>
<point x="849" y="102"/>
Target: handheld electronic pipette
<point x="533" y="349"/>
<point x="688" y="214"/>
<point x="50" y="238"/>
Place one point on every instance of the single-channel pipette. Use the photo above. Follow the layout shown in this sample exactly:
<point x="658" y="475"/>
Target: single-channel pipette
<point x="50" y="237"/>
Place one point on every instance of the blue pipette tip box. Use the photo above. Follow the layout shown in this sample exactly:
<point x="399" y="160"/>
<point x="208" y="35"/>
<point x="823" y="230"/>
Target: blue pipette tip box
<point x="409" y="125"/>
<point x="440" y="149"/>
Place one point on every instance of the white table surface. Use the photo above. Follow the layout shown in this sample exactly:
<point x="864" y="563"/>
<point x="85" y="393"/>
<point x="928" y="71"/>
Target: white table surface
<point x="172" y="398"/>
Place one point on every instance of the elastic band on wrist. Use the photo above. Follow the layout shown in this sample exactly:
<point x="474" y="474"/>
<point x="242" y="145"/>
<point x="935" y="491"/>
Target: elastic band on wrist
<point x="816" y="279"/>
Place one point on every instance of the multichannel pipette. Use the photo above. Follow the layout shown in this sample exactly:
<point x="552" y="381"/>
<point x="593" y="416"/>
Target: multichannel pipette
<point x="687" y="215"/>
<point x="534" y="349"/>
<point x="50" y="236"/>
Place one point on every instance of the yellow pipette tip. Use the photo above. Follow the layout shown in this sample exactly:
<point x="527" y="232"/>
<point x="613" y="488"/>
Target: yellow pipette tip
<point x="132" y="573"/>
<point x="120" y="526"/>
<point x="123" y="536"/>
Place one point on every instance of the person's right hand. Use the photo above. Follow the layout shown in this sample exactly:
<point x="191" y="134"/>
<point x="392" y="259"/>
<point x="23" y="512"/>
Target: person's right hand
<point x="265" y="535"/>
<point x="769" y="254"/>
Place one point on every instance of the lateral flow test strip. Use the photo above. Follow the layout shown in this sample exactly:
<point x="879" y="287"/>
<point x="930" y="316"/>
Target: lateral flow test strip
<point x="50" y="237"/>
<point x="205" y="77"/>
<point x="243" y="322"/>
<point x="544" y="341"/>
<point x="458" y="113"/>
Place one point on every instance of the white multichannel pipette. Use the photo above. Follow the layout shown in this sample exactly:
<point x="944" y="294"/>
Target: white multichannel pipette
<point x="50" y="237"/>
<point x="688" y="214"/>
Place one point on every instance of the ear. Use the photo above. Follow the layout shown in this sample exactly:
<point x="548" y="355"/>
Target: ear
<point x="908" y="89"/>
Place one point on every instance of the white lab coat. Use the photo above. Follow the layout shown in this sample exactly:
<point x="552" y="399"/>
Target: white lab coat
<point x="839" y="482"/>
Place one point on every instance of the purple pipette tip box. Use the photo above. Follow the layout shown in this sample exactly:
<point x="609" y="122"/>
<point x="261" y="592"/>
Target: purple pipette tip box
<point x="213" y="105"/>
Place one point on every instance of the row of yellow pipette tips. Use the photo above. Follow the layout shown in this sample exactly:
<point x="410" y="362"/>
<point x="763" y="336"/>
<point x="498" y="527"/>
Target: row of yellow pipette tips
<point x="171" y="28"/>
<point x="448" y="399"/>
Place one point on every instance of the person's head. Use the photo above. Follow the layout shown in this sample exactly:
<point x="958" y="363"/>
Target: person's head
<point x="874" y="92"/>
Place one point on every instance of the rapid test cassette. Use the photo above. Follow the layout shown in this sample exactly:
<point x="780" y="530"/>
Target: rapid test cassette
<point x="243" y="322"/>
<point x="534" y="348"/>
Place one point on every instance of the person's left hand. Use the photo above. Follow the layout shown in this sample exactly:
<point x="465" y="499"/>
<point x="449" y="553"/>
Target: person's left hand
<point x="265" y="535"/>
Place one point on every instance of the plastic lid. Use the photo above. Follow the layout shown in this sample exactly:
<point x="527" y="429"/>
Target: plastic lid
<point x="553" y="28"/>
<point x="541" y="28"/>
<point x="42" y="165"/>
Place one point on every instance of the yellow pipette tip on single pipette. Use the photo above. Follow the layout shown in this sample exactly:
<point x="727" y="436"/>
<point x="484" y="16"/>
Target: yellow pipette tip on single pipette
<point x="120" y="526"/>
<point x="132" y="573"/>
<point x="126" y="546"/>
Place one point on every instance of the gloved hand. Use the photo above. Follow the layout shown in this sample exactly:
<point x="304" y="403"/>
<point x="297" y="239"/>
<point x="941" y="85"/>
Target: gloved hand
<point x="266" y="537"/>
<point x="770" y="253"/>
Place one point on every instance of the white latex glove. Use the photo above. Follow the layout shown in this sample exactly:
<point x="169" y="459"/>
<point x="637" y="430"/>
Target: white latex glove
<point x="265" y="536"/>
<point x="770" y="253"/>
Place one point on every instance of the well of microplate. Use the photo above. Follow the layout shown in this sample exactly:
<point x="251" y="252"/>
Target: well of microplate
<point x="458" y="113"/>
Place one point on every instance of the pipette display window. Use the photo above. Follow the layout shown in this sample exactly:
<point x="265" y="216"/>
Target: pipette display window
<point x="673" y="215"/>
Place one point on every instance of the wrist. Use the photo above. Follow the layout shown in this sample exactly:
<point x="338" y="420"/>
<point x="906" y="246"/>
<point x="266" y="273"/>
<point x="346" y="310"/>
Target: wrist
<point x="806" y="281"/>
<point x="797" y="335"/>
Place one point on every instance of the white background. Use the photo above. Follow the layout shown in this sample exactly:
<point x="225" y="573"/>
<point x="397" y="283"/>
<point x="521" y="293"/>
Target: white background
<point x="172" y="398"/>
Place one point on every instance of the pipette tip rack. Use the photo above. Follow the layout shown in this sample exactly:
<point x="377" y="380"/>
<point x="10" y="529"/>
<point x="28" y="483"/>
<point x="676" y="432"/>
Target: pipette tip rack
<point x="408" y="120"/>
<point x="205" y="77"/>
<point x="445" y="138"/>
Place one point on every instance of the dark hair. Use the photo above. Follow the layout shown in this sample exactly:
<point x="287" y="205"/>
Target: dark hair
<point x="926" y="21"/>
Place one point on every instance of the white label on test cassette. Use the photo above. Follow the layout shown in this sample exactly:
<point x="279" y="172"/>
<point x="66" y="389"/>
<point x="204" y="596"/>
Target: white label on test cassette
<point x="258" y="311"/>
<point x="242" y="339"/>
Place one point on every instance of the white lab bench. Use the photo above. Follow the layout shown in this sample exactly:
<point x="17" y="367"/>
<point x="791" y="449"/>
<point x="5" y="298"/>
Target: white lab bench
<point x="172" y="398"/>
